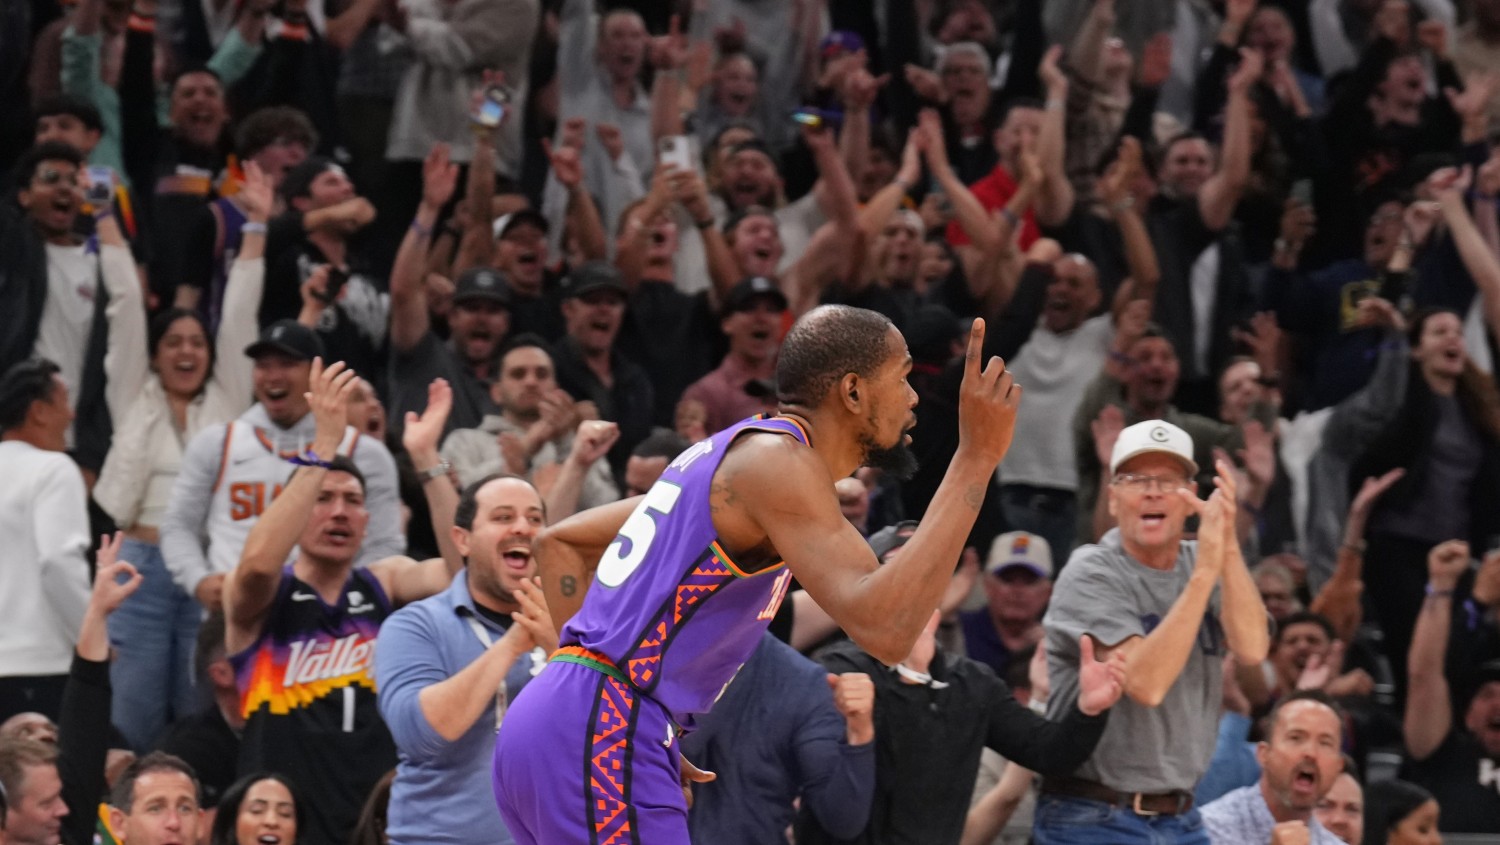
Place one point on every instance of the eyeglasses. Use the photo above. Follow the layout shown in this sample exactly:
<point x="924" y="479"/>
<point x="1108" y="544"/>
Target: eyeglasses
<point x="1140" y="483"/>
<point x="51" y="176"/>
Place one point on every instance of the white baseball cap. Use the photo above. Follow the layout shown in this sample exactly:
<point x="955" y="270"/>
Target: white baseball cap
<point x="1153" y="436"/>
<point x="1023" y="549"/>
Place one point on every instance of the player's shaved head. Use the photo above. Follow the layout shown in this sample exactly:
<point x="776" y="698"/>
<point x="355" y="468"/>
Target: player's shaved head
<point x="827" y="343"/>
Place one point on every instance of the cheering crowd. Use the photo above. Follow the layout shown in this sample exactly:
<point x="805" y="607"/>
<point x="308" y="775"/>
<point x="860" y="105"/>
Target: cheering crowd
<point x="314" y="314"/>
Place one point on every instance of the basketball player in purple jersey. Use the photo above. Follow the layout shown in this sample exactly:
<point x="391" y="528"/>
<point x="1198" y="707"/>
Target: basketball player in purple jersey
<point x="688" y="576"/>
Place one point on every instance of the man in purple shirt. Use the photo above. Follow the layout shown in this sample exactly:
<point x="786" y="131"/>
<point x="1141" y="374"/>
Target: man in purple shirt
<point x="753" y="313"/>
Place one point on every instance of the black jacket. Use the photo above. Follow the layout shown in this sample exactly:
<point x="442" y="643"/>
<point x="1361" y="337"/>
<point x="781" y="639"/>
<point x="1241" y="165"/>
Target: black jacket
<point x="928" y="742"/>
<point x="23" y="290"/>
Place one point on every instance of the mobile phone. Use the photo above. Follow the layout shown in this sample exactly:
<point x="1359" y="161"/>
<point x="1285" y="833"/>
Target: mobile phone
<point x="336" y="279"/>
<point x="674" y="150"/>
<point x="492" y="108"/>
<point x="1302" y="192"/>
<point x="818" y="118"/>
<point x="101" y="185"/>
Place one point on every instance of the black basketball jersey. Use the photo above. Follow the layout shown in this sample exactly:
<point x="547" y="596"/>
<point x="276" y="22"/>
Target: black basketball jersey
<point x="307" y="693"/>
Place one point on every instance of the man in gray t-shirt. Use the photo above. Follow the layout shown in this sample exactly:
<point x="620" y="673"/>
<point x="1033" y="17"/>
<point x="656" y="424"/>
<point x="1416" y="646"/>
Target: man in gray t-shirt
<point x="1174" y="607"/>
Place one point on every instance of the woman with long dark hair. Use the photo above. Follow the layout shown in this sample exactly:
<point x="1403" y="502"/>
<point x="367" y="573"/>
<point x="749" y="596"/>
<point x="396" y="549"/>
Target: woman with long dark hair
<point x="1446" y="435"/>
<point x="1400" y="813"/>
<point x="258" y="809"/>
<point x="183" y="380"/>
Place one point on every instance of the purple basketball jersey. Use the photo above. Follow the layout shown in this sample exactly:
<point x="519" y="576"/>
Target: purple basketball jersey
<point x="668" y="606"/>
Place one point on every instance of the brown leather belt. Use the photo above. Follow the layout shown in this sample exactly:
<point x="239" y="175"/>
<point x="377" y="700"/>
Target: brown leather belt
<point x="1141" y="803"/>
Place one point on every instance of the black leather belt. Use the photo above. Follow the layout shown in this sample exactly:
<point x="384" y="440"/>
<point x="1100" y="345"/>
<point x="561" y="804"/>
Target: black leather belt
<point x="1141" y="803"/>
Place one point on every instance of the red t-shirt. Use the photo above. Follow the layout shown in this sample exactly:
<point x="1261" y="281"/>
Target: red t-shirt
<point x="993" y="192"/>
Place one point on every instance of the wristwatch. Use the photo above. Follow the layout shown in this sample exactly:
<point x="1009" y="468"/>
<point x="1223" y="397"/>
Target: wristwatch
<point x="437" y="470"/>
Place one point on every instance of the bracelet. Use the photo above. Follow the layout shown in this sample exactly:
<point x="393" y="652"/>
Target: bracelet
<point x="1010" y="217"/>
<point x="309" y="459"/>
<point x="704" y="223"/>
<point x="436" y="471"/>
<point x="104" y="212"/>
<point x="422" y="231"/>
<point x="250" y="227"/>
<point x="1356" y="546"/>
<point x="1433" y="592"/>
<point x="1053" y="104"/>
<point x="1122" y="206"/>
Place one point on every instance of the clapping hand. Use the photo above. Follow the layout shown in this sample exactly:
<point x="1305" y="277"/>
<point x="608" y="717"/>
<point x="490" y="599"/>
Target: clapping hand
<point x="1100" y="682"/>
<point x="329" y="399"/>
<point x="422" y="432"/>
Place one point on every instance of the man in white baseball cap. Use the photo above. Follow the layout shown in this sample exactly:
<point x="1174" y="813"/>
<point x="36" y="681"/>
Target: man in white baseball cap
<point x="1174" y="608"/>
<point x="1017" y="585"/>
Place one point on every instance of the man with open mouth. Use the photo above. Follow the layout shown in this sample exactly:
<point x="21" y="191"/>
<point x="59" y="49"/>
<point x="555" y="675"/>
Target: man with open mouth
<point x="1175" y="607"/>
<point x="302" y="619"/>
<point x="1300" y="760"/>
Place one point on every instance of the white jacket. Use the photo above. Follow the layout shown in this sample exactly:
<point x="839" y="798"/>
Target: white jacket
<point x="145" y="435"/>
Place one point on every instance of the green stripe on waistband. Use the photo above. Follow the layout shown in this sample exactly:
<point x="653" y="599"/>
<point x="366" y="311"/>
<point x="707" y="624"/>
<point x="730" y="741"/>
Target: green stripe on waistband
<point x="596" y="665"/>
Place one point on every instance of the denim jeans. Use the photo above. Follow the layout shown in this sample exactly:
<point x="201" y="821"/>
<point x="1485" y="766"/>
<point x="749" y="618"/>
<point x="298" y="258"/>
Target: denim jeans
<point x="1061" y="820"/>
<point x="1045" y="511"/>
<point x="153" y="633"/>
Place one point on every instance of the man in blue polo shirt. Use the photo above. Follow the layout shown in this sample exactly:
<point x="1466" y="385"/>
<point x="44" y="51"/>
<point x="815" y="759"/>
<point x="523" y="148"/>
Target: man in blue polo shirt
<point x="447" y="667"/>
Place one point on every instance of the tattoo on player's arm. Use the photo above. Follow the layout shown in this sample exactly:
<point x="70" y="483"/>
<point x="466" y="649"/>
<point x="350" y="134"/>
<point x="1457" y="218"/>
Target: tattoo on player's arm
<point x="974" y="497"/>
<point x="720" y="496"/>
<point x="568" y="584"/>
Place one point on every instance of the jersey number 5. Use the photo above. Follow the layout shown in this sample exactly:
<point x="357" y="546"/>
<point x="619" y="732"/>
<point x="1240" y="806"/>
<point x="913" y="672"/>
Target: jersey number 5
<point x="636" y="535"/>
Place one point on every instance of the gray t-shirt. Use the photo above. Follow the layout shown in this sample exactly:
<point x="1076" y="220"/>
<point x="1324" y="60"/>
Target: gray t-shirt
<point x="1109" y="595"/>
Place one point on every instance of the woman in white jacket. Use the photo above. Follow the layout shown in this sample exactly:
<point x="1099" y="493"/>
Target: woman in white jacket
<point x="179" y="381"/>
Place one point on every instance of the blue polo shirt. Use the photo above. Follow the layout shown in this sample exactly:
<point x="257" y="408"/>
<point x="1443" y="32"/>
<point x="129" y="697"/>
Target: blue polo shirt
<point x="442" y="792"/>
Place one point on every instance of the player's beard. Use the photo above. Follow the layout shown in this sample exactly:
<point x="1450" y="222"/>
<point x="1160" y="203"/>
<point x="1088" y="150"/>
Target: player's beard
<point x="896" y="461"/>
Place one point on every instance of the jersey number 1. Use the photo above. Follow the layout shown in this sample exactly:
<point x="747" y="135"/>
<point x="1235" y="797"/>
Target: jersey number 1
<point x="636" y="535"/>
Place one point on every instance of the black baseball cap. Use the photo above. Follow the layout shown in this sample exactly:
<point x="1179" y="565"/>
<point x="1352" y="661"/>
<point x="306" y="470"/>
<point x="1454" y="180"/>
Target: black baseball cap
<point x="744" y="294"/>
<point x="287" y="337"/>
<point x="591" y="276"/>
<point x="482" y="283"/>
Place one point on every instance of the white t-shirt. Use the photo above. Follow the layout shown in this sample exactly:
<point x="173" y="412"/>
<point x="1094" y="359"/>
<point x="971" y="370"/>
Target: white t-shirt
<point x="1203" y="280"/>
<point x="1056" y="370"/>
<point x="67" y="316"/>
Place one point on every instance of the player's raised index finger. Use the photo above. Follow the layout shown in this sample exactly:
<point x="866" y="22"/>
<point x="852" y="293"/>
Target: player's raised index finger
<point x="975" y="350"/>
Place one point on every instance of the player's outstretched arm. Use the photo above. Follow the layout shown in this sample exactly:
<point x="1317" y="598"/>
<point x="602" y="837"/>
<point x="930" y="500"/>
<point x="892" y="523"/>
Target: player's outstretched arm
<point x="251" y="587"/>
<point x="785" y="489"/>
<point x="568" y="553"/>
